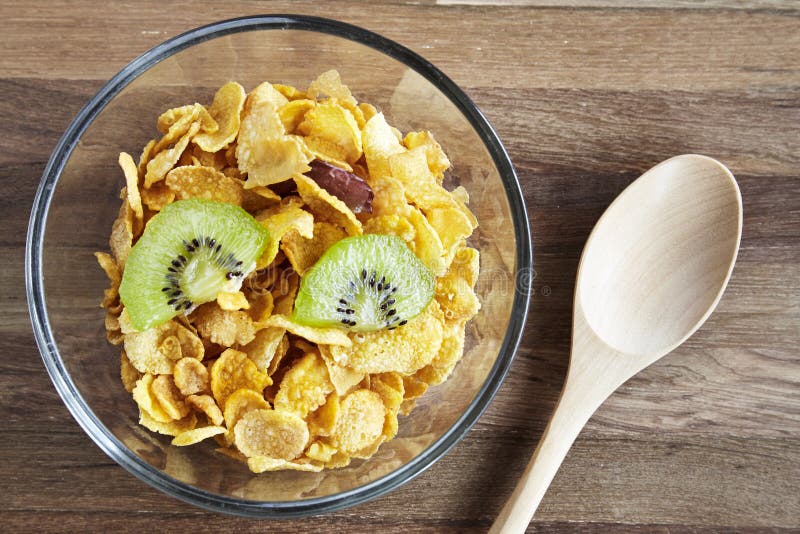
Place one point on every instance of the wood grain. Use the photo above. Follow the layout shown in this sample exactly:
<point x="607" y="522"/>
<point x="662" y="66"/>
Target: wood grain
<point x="586" y="96"/>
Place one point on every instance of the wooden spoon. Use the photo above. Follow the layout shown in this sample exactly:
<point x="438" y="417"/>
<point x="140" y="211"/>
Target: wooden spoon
<point x="652" y="271"/>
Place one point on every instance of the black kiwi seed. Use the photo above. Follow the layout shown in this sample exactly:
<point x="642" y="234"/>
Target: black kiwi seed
<point x="385" y="291"/>
<point x="173" y="290"/>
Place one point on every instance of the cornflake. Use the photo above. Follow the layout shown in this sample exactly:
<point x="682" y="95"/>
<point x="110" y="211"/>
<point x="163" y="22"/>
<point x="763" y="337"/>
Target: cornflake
<point x="275" y="394"/>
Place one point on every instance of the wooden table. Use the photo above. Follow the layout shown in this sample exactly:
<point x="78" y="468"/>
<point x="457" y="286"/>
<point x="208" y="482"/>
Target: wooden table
<point x="586" y="95"/>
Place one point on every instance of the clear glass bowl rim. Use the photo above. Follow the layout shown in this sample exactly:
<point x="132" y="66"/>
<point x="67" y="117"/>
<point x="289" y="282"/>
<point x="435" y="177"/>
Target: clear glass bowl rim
<point x="83" y="414"/>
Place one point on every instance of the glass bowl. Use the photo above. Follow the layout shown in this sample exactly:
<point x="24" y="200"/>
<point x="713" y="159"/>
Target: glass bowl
<point x="79" y="197"/>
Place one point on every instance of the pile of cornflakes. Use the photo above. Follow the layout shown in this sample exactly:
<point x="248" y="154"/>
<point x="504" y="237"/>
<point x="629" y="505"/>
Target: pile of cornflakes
<point x="273" y="393"/>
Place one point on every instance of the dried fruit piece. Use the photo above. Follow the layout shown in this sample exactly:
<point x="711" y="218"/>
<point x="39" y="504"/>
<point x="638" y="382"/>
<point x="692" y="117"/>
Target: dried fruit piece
<point x="345" y="186"/>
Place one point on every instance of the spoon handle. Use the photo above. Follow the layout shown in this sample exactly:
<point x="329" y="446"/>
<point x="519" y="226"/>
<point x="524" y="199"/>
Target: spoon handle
<point x="569" y="417"/>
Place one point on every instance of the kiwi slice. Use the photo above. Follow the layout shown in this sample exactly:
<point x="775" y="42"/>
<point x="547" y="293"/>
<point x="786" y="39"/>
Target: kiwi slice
<point x="189" y="252"/>
<point x="364" y="283"/>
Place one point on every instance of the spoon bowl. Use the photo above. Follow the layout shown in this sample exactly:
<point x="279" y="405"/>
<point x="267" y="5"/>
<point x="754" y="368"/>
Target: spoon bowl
<point x="658" y="260"/>
<point x="653" y="270"/>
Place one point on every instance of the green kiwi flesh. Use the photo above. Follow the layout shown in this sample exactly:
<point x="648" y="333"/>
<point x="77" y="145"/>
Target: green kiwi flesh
<point x="364" y="283"/>
<point x="189" y="252"/>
